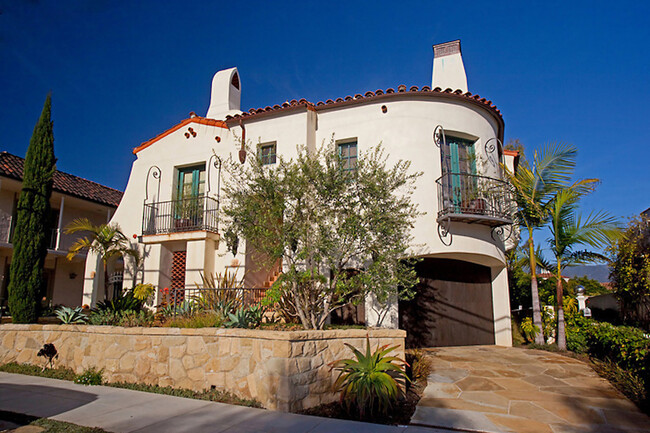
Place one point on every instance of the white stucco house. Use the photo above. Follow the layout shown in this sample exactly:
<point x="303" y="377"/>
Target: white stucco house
<point x="451" y="135"/>
<point x="72" y="197"/>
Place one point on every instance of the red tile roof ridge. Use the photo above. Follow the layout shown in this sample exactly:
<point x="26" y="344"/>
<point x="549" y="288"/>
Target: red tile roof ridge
<point x="290" y="105"/>
<point x="191" y="119"/>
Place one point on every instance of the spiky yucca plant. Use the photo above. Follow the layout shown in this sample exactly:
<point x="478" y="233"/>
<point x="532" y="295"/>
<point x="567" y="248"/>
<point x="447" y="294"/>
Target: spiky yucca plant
<point x="69" y="316"/>
<point x="372" y="382"/>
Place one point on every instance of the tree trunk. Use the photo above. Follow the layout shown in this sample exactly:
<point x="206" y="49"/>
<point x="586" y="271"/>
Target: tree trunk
<point x="105" y="281"/>
<point x="561" y="336"/>
<point x="537" y="316"/>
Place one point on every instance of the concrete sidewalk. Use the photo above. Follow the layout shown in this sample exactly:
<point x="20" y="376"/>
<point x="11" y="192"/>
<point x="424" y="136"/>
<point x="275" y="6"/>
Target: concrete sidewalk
<point x="120" y="410"/>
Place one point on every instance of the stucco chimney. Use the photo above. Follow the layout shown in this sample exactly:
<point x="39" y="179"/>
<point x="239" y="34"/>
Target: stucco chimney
<point x="226" y="94"/>
<point x="448" y="68"/>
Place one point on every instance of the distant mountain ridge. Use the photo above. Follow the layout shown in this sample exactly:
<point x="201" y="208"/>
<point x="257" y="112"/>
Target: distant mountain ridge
<point x="599" y="273"/>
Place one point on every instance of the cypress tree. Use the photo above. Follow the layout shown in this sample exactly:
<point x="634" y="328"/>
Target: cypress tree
<point x="33" y="216"/>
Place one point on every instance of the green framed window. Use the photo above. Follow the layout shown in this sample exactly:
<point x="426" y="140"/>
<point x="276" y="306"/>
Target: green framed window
<point x="191" y="182"/>
<point x="267" y="153"/>
<point x="348" y="154"/>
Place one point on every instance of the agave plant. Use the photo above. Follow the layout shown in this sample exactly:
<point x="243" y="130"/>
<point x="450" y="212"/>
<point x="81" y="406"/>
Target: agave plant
<point x="69" y="315"/>
<point x="371" y="382"/>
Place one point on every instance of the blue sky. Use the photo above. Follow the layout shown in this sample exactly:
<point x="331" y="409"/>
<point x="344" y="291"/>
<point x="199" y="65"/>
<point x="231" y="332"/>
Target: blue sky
<point x="122" y="72"/>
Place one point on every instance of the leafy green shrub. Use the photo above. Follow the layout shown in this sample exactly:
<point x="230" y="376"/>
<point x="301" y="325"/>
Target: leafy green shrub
<point x="105" y="317"/>
<point x="517" y="336"/>
<point x="127" y="318"/>
<point x="69" y="315"/>
<point x="529" y="329"/>
<point x="372" y="382"/>
<point x="576" y="341"/>
<point x="90" y="376"/>
<point x="121" y="302"/>
<point x="136" y="318"/>
<point x="143" y="292"/>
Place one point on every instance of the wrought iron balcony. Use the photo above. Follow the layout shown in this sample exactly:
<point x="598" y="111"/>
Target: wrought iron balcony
<point x="474" y="199"/>
<point x="183" y="215"/>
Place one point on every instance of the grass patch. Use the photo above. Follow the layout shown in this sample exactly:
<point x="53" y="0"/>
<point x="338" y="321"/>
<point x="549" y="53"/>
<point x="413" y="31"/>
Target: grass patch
<point x="209" y="394"/>
<point x="61" y="373"/>
<point x="49" y="425"/>
<point x="197" y="321"/>
<point x="67" y="374"/>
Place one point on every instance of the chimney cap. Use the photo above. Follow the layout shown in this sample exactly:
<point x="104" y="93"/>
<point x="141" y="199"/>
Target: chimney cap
<point x="446" y="48"/>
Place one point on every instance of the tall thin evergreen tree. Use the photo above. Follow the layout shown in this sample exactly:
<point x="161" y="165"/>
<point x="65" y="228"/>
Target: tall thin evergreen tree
<point x="32" y="221"/>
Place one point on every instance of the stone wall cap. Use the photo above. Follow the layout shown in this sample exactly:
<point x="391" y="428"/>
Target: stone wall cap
<point x="263" y="334"/>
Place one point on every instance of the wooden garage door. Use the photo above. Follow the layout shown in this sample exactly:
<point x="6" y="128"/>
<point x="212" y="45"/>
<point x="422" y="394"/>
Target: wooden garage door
<point x="452" y="307"/>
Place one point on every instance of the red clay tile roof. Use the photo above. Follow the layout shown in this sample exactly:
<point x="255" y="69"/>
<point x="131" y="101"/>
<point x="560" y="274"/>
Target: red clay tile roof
<point x="380" y="94"/>
<point x="193" y="119"/>
<point x="12" y="166"/>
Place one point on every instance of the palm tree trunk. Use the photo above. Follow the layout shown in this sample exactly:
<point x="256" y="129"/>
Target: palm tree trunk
<point x="105" y="281"/>
<point x="537" y="316"/>
<point x="561" y="336"/>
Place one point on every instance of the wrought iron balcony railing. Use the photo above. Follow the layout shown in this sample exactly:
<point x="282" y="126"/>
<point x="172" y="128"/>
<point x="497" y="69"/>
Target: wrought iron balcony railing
<point x="183" y="215"/>
<point x="474" y="199"/>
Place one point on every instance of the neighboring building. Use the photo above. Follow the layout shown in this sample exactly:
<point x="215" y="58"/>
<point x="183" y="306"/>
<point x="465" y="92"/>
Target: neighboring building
<point x="72" y="197"/>
<point x="171" y="202"/>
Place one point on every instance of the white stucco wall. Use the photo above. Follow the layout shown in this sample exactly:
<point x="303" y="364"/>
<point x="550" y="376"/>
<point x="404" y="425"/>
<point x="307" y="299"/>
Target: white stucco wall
<point x="406" y="132"/>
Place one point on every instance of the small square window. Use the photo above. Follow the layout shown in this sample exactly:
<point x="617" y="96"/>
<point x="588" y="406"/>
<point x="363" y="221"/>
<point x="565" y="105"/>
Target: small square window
<point x="348" y="154"/>
<point x="267" y="153"/>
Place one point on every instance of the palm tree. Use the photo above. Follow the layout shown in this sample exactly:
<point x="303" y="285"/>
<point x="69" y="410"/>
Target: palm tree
<point x="107" y="241"/>
<point x="568" y="231"/>
<point x="534" y="188"/>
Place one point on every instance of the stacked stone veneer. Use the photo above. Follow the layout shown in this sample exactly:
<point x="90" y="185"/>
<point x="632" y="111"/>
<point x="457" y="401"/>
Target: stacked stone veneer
<point x="284" y="370"/>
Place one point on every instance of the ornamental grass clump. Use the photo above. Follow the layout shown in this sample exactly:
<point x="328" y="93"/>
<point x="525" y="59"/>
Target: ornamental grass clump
<point x="371" y="383"/>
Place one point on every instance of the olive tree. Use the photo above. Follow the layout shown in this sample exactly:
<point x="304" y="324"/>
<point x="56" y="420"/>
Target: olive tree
<point x="340" y="231"/>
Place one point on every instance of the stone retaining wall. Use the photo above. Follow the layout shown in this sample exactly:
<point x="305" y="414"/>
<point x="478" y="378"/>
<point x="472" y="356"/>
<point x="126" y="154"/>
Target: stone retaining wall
<point x="284" y="370"/>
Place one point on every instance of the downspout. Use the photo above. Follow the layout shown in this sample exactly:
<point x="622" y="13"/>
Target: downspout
<point x="242" y="151"/>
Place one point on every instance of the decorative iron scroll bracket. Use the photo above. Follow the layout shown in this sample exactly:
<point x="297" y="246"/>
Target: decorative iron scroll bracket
<point x="490" y="147"/>
<point x="444" y="233"/>
<point x="439" y="136"/>
<point x="502" y="233"/>
<point x="154" y="171"/>
<point x="216" y="163"/>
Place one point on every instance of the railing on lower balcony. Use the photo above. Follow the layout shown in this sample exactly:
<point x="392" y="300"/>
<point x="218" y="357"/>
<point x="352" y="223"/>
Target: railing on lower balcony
<point x="202" y="299"/>
<point x="474" y="199"/>
<point x="182" y="215"/>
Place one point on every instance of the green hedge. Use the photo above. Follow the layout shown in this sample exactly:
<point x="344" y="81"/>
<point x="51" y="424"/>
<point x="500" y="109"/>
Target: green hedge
<point x="627" y="347"/>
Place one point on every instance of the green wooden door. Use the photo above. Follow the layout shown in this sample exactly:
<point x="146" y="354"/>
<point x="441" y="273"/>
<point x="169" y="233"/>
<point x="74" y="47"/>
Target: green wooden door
<point x="459" y="164"/>
<point x="189" y="194"/>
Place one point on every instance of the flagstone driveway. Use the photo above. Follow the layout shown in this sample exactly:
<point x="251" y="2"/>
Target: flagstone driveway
<point x="499" y="389"/>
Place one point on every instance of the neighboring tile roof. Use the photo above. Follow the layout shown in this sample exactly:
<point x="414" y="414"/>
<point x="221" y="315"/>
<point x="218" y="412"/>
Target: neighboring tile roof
<point x="12" y="166"/>
<point x="401" y="89"/>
